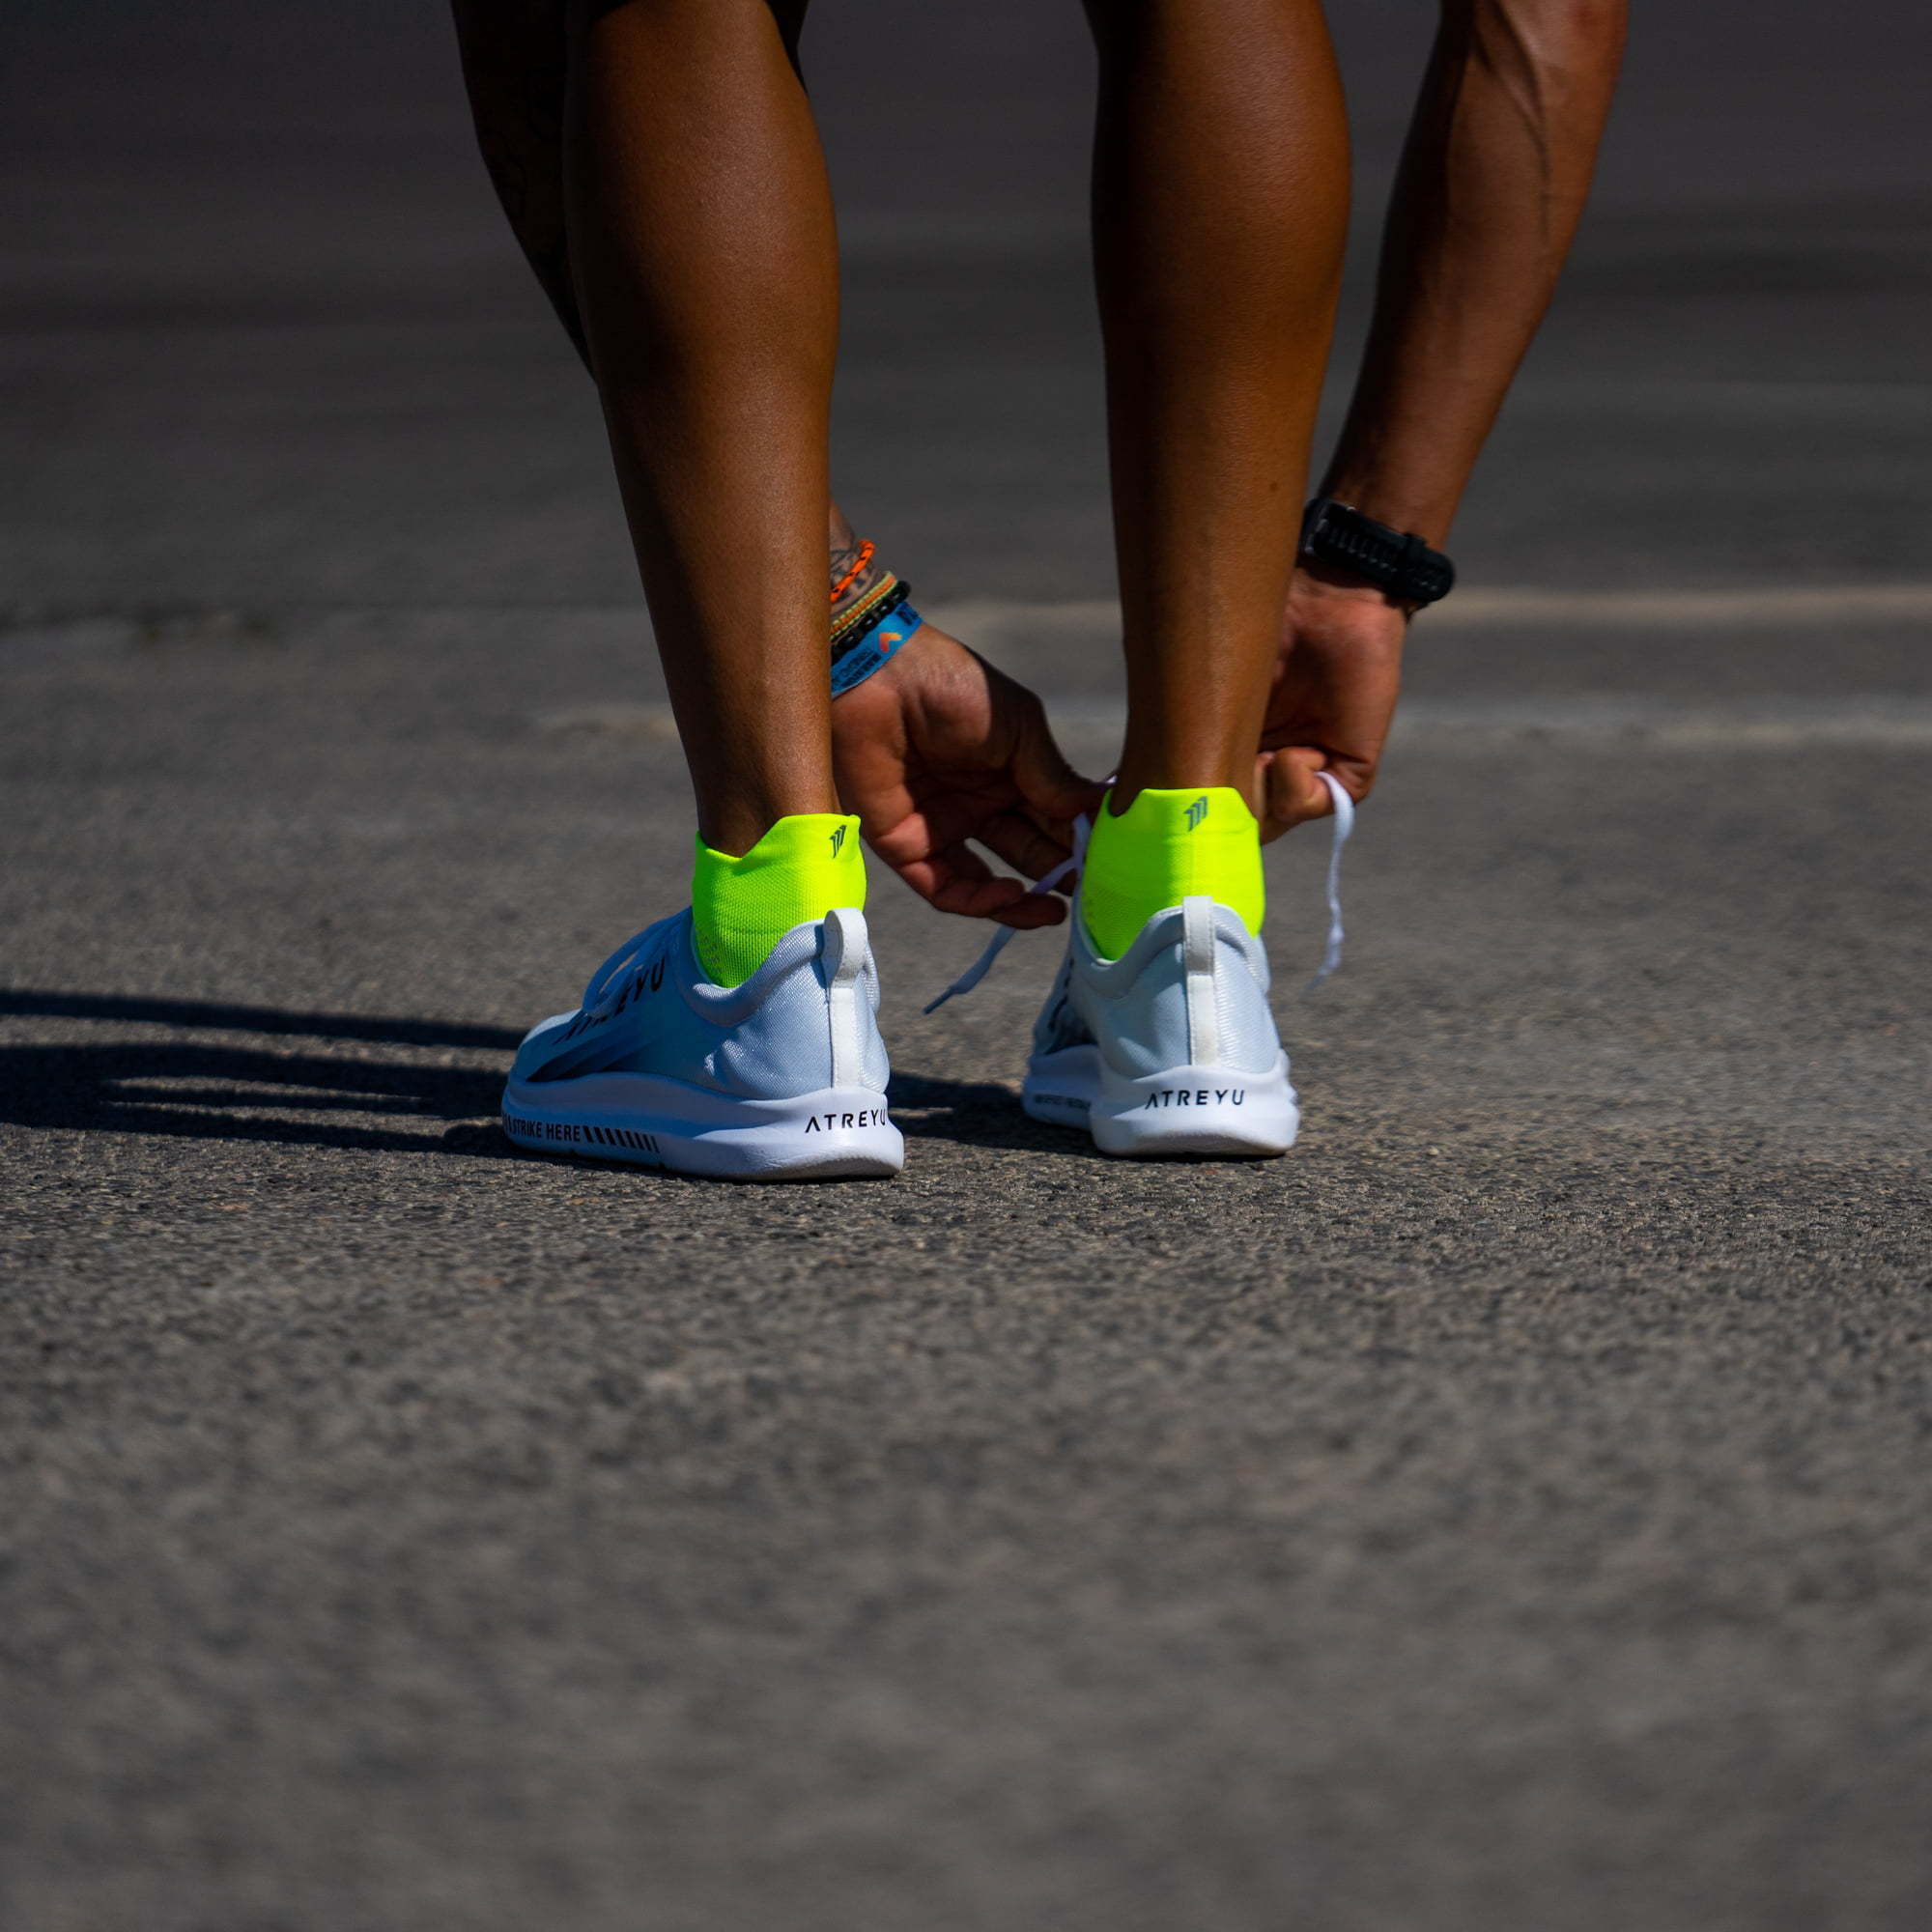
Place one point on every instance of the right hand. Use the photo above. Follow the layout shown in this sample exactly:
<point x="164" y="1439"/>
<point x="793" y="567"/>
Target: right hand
<point x="1335" y="687"/>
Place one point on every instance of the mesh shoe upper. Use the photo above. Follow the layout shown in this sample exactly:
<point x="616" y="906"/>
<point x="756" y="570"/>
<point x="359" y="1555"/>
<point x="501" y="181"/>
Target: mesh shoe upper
<point x="1135" y="1007"/>
<point x="1059" y="1025"/>
<point x="650" y="1010"/>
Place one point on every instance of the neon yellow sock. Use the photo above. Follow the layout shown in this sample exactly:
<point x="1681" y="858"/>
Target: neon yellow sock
<point x="800" y="869"/>
<point x="1165" y="847"/>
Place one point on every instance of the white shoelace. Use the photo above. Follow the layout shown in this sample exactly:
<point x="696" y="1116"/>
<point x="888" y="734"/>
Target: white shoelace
<point x="1082" y="828"/>
<point x="1331" y="955"/>
<point x="1345" y="823"/>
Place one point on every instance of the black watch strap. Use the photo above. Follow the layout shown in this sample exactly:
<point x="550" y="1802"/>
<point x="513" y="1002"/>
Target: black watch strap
<point x="1397" y="563"/>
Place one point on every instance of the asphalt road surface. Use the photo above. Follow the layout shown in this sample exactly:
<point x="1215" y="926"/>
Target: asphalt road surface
<point x="1506" y="1511"/>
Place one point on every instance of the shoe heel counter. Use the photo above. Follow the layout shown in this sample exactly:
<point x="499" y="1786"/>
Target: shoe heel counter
<point x="1229" y="1022"/>
<point x="1200" y="956"/>
<point x="814" y="1027"/>
<point x="857" y="1049"/>
<point x="1249" y="1039"/>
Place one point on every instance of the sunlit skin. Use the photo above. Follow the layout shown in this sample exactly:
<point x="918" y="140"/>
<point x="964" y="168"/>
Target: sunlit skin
<point x="937" y="752"/>
<point x="704" y="261"/>
<point x="940" y="751"/>
<point x="1220" y="211"/>
<point x="1492" y="184"/>
<point x="1220" y="171"/>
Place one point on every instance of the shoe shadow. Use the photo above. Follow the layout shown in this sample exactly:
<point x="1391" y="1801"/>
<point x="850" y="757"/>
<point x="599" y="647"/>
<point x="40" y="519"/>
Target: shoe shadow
<point x="976" y="1114"/>
<point x="213" y="1092"/>
<point x="197" y="1089"/>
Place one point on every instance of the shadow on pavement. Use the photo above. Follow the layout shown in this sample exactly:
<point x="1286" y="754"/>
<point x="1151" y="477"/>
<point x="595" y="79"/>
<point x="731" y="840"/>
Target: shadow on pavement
<point x="213" y="1092"/>
<point x="234" y="1092"/>
<point x="216" y="1016"/>
<point x="979" y="1114"/>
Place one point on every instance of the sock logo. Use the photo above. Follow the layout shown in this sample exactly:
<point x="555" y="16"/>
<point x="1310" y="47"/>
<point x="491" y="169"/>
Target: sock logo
<point x="837" y="839"/>
<point x="1196" y="813"/>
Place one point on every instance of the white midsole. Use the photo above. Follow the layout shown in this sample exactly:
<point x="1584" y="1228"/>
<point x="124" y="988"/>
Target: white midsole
<point x="670" y="1124"/>
<point x="1178" y="1110"/>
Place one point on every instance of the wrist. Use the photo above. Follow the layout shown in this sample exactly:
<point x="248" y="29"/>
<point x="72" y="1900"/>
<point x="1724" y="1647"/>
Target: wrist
<point x="1334" y="589"/>
<point x="856" y="573"/>
<point x="1402" y="505"/>
<point x="871" y="615"/>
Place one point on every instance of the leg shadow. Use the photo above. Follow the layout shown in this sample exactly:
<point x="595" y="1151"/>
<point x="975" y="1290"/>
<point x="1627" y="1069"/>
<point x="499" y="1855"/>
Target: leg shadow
<point x="212" y="1091"/>
<point x="979" y="1113"/>
<point x="203" y="1091"/>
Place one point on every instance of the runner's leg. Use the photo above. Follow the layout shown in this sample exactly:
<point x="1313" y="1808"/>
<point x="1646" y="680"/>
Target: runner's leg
<point x="1220" y="204"/>
<point x="738" y="1038"/>
<point x="514" y="67"/>
<point x="1220" y="192"/>
<point x="702" y="258"/>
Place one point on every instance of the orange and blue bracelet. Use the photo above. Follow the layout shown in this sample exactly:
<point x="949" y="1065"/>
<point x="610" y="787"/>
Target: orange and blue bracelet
<point x="867" y="637"/>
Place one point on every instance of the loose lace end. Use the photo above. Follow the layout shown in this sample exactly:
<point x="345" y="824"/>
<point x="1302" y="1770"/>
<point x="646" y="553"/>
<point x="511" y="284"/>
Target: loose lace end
<point x="975" y="972"/>
<point x="1331" y="955"/>
<point x="1345" y="823"/>
<point x="995" y="946"/>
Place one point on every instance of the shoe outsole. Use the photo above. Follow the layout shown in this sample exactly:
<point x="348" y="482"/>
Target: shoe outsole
<point x="1178" y="1112"/>
<point x="644" y="1121"/>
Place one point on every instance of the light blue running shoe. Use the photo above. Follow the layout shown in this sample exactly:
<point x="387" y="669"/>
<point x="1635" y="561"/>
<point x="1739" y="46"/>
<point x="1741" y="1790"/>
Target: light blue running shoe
<point x="782" y="1078"/>
<point x="1170" y="1049"/>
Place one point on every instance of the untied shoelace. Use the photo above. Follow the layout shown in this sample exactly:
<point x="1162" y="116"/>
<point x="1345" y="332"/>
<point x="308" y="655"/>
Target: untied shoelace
<point x="1083" y="827"/>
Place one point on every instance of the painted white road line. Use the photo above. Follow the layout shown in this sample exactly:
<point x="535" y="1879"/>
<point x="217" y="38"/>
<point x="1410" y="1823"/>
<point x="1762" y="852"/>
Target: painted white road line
<point x="1874" y="720"/>
<point x="1482" y="609"/>
<point x="1819" y="607"/>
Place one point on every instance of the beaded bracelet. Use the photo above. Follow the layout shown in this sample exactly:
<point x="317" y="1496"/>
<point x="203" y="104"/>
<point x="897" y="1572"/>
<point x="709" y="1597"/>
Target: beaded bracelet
<point x="868" y="635"/>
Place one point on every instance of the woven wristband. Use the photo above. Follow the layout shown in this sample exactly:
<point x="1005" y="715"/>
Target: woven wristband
<point x="867" y="637"/>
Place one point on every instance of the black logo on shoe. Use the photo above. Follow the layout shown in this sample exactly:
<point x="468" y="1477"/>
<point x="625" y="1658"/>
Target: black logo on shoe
<point x="1196" y="813"/>
<point x="645" y="980"/>
<point x="1195" y="1096"/>
<point x="578" y="1133"/>
<point x="863" y="1117"/>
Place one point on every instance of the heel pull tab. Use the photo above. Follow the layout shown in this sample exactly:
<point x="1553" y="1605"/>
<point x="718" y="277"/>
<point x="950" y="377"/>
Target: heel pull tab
<point x="1197" y="947"/>
<point x="841" y="955"/>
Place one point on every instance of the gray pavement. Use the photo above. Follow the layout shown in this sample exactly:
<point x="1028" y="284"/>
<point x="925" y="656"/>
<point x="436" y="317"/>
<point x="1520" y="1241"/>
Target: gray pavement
<point x="1506" y="1511"/>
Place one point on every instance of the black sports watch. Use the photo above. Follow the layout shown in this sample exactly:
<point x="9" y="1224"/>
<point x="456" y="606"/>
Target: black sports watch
<point x="1401" y="566"/>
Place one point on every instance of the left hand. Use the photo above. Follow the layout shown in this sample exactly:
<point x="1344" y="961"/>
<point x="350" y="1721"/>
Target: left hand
<point x="1335" y="687"/>
<point x="939" y="749"/>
